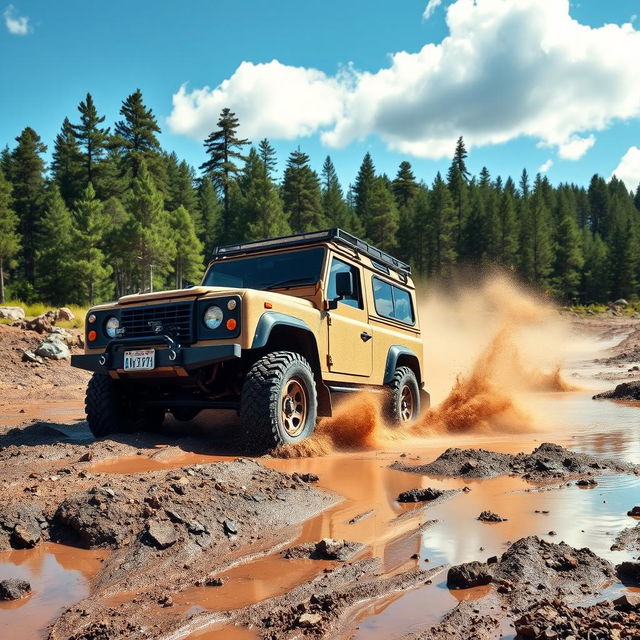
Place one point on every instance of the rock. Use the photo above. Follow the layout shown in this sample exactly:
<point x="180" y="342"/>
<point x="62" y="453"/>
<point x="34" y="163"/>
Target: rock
<point x="629" y="573"/>
<point x="490" y="516"/>
<point x="230" y="527"/>
<point x="469" y="574"/>
<point x="332" y="549"/>
<point x="635" y="512"/>
<point x="419" y="495"/>
<point x="64" y="314"/>
<point x="309" y="619"/>
<point x="215" y="581"/>
<point x="25" y="536"/>
<point x="63" y="335"/>
<point x="161" y="534"/>
<point x="307" y="477"/>
<point x="42" y="323"/>
<point x="621" y="302"/>
<point x="86" y="457"/>
<point x="12" y="313"/>
<point x="587" y="483"/>
<point x="624" y="391"/>
<point x="14" y="589"/>
<point x="52" y="347"/>
<point x="628" y="601"/>
<point x="29" y="356"/>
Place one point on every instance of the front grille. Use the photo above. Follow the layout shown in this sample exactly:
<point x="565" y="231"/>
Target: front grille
<point x="174" y="320"/>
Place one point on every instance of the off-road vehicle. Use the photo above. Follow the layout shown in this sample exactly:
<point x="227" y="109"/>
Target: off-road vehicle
<point x="277" y="331"/>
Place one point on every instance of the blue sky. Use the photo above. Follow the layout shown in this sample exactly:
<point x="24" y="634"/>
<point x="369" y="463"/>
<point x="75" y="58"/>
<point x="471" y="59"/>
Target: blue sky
<point x="65" y="49"/>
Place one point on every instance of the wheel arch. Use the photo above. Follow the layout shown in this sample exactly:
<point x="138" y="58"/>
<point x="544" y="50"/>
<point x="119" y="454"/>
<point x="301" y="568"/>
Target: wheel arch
<point x="399" y="356"/>
<point x="278" y="331"/>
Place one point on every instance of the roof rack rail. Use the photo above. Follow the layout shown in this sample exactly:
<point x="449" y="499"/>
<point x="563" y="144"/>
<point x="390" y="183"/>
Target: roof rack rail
<point x="327" y="235"/>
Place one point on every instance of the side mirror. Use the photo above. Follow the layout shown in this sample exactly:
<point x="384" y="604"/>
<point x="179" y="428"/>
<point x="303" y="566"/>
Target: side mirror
<point x="344" y="285"/>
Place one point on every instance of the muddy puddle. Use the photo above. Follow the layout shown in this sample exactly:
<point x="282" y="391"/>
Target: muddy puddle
<point x="59" y="576"/>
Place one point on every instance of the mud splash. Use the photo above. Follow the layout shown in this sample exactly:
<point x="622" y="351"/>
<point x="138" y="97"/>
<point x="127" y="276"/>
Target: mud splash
<point x="493" y="345"/>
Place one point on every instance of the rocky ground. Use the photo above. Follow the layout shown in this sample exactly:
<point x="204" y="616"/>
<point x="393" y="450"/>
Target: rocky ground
<point x="166" y="531"/>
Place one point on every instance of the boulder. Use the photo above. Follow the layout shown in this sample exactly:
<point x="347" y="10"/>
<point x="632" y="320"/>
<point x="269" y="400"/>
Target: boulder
<point x="64" y="314"/>
<point x="14" y="589"/>
<point x="25" y="535"/>
<point x="54" y="348"/>
<point x="620" y="302"/>
<point x="12" y="313"/>
<point x="42" y="323"/>
<point x="29" y="356"/>
<point x="629" y="573"/>
<point x="63" y="335"/>
<point x="160" y="534"/>
<point x="469" y="574"/>
<point x="419" y="495"/>
<point x="635" y="512"/>
<point x="490" y="516"/>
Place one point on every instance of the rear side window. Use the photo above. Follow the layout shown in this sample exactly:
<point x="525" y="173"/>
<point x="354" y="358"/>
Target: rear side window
<point x="392" y="302"/>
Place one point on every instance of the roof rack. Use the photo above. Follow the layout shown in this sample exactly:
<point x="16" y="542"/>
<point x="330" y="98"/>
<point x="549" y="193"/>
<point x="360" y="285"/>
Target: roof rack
<point x="327" y="235"/>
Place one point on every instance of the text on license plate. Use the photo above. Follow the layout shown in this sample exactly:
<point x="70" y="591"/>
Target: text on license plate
<point x="139" y="360"/>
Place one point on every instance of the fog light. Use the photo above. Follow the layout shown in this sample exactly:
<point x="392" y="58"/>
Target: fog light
<point x="231" y="305"/>
<point x="92" y="318"/>
<point x="231" y="324"/>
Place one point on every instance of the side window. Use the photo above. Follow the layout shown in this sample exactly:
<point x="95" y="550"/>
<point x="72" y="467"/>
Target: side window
<point x="392" y="302"/>
<point x="337" y="266"/>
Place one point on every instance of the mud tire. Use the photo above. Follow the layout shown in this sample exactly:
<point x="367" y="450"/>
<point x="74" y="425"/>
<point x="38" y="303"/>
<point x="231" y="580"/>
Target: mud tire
<point x="403" y="377"/>
<point x="261" y="399"/>
<point x="111" y="410"/>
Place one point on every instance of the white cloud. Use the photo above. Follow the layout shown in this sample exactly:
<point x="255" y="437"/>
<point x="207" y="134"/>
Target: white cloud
<point x="430" y="9"/>
<point x="629" y="168"/>
<point x="507" y="69"/>
<point x="271" y="99"/>
<point x="16" y="25"/>
<point x="545" y="166"/>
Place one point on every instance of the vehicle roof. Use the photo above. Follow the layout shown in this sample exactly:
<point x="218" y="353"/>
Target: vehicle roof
<point x="335" y="235"/>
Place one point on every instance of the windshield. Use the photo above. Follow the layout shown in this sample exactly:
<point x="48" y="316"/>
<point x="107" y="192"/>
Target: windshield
<point x="269" y="271"/>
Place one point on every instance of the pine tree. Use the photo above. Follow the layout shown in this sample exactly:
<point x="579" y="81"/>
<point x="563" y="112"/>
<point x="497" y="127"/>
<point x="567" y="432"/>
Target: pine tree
<point x="66" y="164"/>
<point x="188" y="260"/>
<point x="301" y="194"/>
<point x="224" y="147"/>
<point x="440" y="220"/>
<point x="457" y="179"/>
<point x="148" y="232"/>
<point x="569" y="259"/>
<point x="27" y="177"/>
<point x="116" y="245"/>
<point x="623" y="243"/>
<point x="9" y="238"/>
<point x="135" y="134"/>
<point x="334" y="207"/>
<point x="267" y="156"/>
<point x="211" y="214"/>
<point x="599" y="206"/>
<point x="92" y="274"/>
<point x="57" y="250"/>
<point x="595" y="273"/>
<point x="508" y="230"/>
<point x="404" y="185"/>
<point x="93" y="139"/>
<point x="180" y="189"/>
<point x="362" y="193"/>
<point x="384" y="221"/>
<point x="541" y="248"/>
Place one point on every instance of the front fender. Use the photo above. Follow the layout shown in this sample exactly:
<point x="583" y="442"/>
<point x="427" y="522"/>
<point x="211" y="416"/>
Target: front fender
<point x="271" y="319"/>
<point x="393" y="356"/>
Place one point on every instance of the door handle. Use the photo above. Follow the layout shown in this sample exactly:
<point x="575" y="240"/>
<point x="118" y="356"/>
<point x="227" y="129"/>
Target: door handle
<point x="365" y="336"/>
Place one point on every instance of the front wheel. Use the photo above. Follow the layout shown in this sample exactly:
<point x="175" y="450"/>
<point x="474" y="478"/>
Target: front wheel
<point x="403" y="404"/>
<point x="278" y="402"/>
<point x="111" y="408"/>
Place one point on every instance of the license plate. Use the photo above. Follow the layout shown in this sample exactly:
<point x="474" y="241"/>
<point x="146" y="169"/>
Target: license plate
<point x="140" y="360"/>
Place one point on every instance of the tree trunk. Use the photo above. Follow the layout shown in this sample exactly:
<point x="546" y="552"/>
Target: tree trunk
<point x="2" y="299"/>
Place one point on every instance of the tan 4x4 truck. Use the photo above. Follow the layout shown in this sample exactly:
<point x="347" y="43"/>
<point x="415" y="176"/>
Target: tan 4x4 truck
<point x="278" y="330"/>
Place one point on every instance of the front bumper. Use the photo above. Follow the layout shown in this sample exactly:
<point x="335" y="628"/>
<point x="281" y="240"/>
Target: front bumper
<point x="173" y="355"/>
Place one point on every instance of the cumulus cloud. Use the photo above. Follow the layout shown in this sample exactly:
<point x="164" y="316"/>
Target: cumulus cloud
<point x="507" y="69"/>
<point x="545" y="166"/>
<point x="272" y="100"/>
<point x="629" y="168"/>
<point x="430" y="9"/>
<point x="16" y="25"/>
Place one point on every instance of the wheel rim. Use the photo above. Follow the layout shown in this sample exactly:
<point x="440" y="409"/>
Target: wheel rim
<point x="293" y="407"/>
<point x="407" y="403"/>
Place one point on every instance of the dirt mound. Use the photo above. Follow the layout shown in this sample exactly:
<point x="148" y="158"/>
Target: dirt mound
<point x="325" y="549"/>
<point x="555" y="619"/>
<point x="628" y="539"/>
<point x="624" y="391"/>
<point x="26" y="380"/>
<point x="548" y="461"/>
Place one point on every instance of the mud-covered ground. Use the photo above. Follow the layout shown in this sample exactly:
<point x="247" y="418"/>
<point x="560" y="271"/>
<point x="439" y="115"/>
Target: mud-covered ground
<point x="444" y="537"/>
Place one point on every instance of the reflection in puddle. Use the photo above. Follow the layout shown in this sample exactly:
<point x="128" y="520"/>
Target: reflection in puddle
<point x="59" y="576"/>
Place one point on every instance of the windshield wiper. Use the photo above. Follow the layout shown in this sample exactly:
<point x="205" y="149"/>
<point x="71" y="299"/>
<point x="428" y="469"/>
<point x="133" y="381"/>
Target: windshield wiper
<point x="288" y="281"/>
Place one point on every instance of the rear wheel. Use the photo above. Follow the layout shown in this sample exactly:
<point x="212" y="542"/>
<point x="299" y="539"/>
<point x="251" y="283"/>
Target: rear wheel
<point x="278" y="403"/>
<point x="404" y="397"/>
<point x="111" y="408"/>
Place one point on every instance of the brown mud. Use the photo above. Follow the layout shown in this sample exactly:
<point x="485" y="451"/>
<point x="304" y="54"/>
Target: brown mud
<point x="187" y="540"/>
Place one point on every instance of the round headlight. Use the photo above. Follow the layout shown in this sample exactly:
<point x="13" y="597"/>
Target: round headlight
<point x="111" y="326"/>
<point x="213" y="317"/>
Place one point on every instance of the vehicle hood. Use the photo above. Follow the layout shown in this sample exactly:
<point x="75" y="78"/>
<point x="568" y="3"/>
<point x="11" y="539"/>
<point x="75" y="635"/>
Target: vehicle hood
<point x="173" y="294"/>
